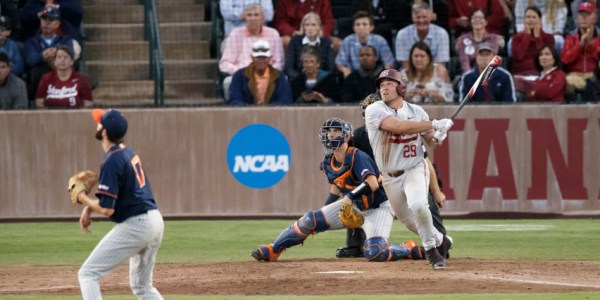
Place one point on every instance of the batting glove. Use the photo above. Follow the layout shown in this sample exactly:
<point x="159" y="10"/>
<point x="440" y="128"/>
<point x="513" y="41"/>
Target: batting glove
<point x="439" y="136"/>
<point x="442" y="125"/>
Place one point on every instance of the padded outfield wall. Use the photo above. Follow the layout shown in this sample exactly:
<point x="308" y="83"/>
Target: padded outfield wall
<point x="210" y="162"/>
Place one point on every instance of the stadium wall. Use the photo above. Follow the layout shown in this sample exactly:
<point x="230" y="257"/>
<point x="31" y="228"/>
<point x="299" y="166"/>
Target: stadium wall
<point x="517" y="158"/>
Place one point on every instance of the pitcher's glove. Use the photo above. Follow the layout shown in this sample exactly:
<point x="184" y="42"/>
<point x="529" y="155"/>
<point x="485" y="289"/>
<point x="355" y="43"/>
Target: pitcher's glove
<point x="351" y="216"/>
<point x="81" y="181"/>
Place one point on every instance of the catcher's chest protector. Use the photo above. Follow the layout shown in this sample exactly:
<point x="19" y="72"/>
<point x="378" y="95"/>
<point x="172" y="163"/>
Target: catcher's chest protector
<point x="341" y="176"/>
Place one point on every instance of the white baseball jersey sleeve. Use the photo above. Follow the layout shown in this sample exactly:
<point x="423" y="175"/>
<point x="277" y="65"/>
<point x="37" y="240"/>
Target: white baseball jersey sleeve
<point x="394" y="152"/>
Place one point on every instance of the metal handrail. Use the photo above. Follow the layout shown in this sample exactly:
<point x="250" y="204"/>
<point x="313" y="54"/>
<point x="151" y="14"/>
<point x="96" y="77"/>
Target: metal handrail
<point x="156" y="54"/>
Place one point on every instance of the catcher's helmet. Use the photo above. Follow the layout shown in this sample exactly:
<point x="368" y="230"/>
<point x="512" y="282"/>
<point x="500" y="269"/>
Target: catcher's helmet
<point x="396" y="76"/>
<point x="333" y="144"/>
<point x="370" y="99"/>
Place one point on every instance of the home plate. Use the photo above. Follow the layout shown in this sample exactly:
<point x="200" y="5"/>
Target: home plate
<point x="340" y="272"/>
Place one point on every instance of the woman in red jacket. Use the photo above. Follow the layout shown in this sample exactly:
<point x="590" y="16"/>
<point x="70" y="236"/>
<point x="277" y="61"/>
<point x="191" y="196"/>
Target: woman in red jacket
<point x="551" y="85"/>
<point x="525" y="46"/>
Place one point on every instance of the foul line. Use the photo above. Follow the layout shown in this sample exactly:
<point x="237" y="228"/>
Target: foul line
<point x="546" y="282"/>
<point x="59" y="287"/>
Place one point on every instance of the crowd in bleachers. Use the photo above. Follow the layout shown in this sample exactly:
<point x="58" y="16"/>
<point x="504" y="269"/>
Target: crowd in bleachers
<point x="550" y="48"/>
<point x="40" y="43"/>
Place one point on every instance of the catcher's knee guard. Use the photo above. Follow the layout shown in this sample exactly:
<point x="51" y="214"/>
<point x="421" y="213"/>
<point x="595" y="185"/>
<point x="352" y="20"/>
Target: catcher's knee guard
<point x="311" y="222"/>
<point x="378" y="249"/>
<point x="416" y="251"/>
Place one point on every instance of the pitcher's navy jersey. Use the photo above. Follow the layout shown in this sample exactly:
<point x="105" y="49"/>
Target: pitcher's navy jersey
<point x="351" y="173"/>
<point x="123" y="185"/>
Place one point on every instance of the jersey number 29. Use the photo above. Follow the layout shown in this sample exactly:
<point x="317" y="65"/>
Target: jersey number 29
<point x="409" y="150"/>
<point x="139" y="172"/>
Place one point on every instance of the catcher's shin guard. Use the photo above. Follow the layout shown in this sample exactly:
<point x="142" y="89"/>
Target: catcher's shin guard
<point x="311" y="222"/>
<point x="265" y="252"/>
<point x="378" y="249"/>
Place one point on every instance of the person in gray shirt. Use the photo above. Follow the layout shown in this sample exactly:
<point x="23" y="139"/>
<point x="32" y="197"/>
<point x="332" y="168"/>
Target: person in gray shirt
<point x="13" y="93"/>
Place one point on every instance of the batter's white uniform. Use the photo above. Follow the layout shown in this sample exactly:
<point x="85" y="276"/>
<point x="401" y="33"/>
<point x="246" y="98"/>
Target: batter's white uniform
<point x="393" y="152"/>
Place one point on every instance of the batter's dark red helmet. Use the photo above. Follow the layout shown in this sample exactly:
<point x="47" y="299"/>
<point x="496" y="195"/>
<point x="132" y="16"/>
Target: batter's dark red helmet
<point x="396" y="76"/>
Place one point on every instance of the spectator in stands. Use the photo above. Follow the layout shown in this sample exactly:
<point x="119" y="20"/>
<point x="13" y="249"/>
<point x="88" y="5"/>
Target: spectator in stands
<point x="467" y="43"/>
<point x="592" y="86"/>
<point x="10" y="47"/>
<point x="259" y="83"/>
<point x="64" y="87"/>
<point x="361" y="83"/>
<point x="499" y="88"/>
<point x="40" y="49"/>
<point x="311" y="35"/>
<point x="289" y="14"/>
<point x="459" y="12"/>
<point x="526" y="45"/>
<point x="580" y="54"/>
<point x="13" y="93"/>
<point x="551" y="85"/>
<point x="554" y="19"/>
<point x="389" y="15"/>
<point x="427" y="82"/>
<point x="314" y="85"/>
<point x="347" y="59"/>
<point x="234" y="12"/>
<point x="422" y="30"/>
<point x="70" y="14"/>
<point x="439" y="12"/>
<point x="238" y="46"/>
<point x="575" y="5"/>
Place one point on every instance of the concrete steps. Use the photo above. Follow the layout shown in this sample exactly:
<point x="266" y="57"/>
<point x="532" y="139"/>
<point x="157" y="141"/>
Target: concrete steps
<point x="140" y="70"/>
<point x="187" y="31"/>
<point x="139" y="49"/>
<point x="127" y="14"/>
<point x="117" y="54"/>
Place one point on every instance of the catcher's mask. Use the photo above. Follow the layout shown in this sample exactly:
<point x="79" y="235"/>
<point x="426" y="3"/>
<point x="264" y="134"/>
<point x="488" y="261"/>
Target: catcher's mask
<point x="372" y="98"/>
<point x="396" y="76"/>
<point x="331" y="145"/>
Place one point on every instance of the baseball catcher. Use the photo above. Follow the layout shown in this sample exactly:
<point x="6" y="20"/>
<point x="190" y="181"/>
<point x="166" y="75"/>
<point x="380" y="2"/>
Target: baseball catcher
<point x="356" y="199"/>
<point x="80" y="182"/>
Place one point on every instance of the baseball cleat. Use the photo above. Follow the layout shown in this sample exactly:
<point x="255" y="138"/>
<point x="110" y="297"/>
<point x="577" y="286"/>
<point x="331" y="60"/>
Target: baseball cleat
<point x="349" y="252"/>
<point x="265" y="253"/>
<point x="444" y="248"/>
<point x="435" y="259"/>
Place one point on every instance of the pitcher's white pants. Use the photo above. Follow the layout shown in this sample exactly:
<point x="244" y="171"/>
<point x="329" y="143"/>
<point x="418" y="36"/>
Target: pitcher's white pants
<point x="137" y="239"/>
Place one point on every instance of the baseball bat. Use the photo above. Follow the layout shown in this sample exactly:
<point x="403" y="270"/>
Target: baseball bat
<point x="483" y="78"/>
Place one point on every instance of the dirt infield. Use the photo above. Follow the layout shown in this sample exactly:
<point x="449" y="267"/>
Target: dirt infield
<point x="324" y="277"/>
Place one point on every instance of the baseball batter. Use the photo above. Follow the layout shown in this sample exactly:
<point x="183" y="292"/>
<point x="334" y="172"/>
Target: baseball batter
<point x="355" y="178"/>
<point x="396" y="131"/>
<point x="124" y="195"/>
<point x="356" y="237"/>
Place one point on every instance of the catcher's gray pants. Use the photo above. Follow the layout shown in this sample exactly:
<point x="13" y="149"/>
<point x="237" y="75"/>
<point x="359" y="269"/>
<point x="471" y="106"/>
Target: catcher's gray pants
<point x="378" y="221"/>
<point x="137" y="239"/>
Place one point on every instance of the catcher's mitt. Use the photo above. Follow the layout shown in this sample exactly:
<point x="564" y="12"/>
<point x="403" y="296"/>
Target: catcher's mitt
<point x="81" y="181"/>
<point x="351" y="216"/>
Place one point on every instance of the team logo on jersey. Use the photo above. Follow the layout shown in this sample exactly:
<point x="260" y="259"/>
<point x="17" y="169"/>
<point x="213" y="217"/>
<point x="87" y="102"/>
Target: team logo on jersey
<point x="258" y="156"/>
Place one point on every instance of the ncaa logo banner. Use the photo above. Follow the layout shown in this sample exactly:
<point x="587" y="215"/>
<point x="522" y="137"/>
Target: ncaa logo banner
<point x="258" y="156"/>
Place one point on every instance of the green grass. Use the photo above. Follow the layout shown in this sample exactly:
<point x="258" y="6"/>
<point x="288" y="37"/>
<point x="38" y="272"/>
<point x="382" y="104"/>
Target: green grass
<point x="213" y="241"/>
<point x="63" y="243"/>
